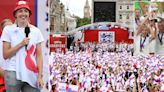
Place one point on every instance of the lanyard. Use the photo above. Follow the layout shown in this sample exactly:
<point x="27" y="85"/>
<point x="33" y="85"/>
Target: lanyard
<point x="142" y="43"/>
<point x="160" y="38"/>
<point x="137" y="20"/>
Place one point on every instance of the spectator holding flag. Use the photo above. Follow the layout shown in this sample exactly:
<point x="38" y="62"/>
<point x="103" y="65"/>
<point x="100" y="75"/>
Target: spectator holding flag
<point x="22" y="47"/>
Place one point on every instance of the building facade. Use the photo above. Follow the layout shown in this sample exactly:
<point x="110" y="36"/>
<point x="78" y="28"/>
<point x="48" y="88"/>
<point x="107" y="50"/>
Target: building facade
<point x="124" y="11"/>
<point x="56" y="13"/>
<point x="70" y="21"/>
<point x="61" y="20"/>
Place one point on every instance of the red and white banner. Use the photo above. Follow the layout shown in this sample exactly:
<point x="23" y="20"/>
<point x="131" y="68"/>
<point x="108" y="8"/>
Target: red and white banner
<point x="58" y="43"/>
<point x="119" y="35"/>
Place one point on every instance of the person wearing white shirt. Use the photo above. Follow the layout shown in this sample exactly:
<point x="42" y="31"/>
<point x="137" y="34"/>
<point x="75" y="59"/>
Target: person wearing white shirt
<point x="4" y="23"/>
<point x="145" y="38"/>
<point x="160" y="37"/>
<point x="3" y="62"/>
<point x="24" y="53"/>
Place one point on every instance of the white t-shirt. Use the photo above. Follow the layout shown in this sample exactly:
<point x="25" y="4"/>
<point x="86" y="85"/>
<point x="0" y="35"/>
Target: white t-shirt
<point x="147" y="48"/>
<point x="24" y="61"/>
<point x="159" y="47"/>
<point x="2" y="61"/>
<point x="7" y="36"/>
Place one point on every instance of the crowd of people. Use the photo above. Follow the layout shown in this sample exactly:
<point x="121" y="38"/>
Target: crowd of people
<point x="102" y="46"/>
<point x="84" y="67"/>
<point x="104" y="70"/>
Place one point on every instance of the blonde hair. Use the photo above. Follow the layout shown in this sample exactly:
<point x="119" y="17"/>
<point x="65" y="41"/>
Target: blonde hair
<point x="3" y="23"/>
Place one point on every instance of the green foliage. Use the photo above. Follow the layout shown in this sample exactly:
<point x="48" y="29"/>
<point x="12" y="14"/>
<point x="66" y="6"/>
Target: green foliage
<point x="82" y="21"/>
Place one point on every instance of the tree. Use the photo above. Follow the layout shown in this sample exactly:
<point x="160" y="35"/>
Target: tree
<point x="82" y="21"/>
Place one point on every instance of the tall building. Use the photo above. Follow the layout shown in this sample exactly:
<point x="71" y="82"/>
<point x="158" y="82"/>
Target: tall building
<point x="87" y="10"/>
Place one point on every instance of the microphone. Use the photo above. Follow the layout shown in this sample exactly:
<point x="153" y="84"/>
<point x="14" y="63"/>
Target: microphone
<point x="26" y="31"/>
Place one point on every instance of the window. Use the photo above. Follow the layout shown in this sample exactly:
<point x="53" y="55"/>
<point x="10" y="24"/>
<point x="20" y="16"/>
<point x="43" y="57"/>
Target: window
<point x="128" y="7"/>
<point x="51" y="27"/>
<point x="127" y="17"/>
<point x="120" y="7"/>
<point x="120" y="16"/>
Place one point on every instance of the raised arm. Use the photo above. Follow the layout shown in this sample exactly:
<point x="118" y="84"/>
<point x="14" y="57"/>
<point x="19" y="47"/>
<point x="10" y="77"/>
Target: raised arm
<point x="9" y="51"/>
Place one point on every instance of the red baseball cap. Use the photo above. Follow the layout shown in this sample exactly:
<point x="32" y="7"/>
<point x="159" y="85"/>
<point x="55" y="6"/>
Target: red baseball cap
<point x="22" y="4"/>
